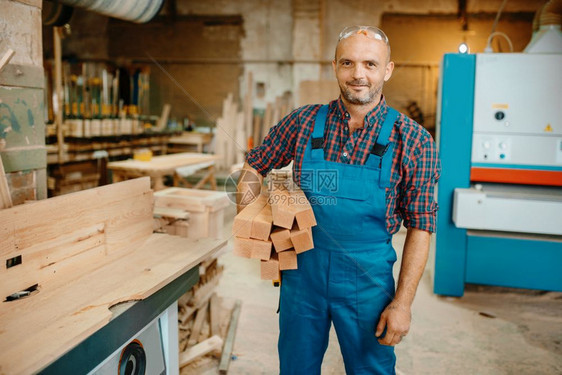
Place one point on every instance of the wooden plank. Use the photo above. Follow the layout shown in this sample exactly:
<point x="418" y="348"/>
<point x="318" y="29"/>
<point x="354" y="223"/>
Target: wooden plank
<point x="190" y="354"/>
<point x="166" y="164"/>
<point x="172" y="213"/>
<point x="163" y="120"/>
<point x="262" y="224"/>
<point x="270" y="268"/>
<point x="202" y="294"/>
<point x="198" y="324"/>
<point x="6" y="58"/>
<point x="66" y="315"/>
<point x="242" y="225"/>
<point x="283" y="214"/>
<point x="214" y="312"/>
<point x="47" y="234"/>
<point x="230" y="336"/>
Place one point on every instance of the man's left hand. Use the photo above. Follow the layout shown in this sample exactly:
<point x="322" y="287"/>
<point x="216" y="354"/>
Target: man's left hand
<point x="396" y="318"/>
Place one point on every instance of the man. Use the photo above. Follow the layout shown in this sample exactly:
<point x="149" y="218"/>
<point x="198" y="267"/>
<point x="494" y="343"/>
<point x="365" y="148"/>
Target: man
<point x="385" y="167"/>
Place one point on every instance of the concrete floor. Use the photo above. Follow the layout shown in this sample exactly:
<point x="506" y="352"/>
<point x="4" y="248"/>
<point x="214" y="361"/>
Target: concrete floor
<point x="488" y="331"/>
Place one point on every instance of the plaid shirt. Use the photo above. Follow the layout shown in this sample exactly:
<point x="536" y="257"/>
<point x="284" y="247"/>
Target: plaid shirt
<point x="415" y="166"/>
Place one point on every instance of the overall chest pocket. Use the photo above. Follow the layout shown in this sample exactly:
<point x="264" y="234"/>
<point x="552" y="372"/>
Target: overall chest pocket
<point x="341" y="212"/>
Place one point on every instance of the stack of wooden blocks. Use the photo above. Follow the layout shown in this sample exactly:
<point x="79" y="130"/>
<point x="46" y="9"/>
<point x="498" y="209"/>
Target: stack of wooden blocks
<point x="200" y="326"/>
<point x="274" y="229"/>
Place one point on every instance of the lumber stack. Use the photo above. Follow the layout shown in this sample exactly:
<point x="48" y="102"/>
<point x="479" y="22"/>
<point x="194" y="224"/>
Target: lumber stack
<point x="243" y="126"/>
<point x="230" y="134"/>
<point x="275" y="228"/>
<point x="198" y="314"/>
<point x="274" y="112"/>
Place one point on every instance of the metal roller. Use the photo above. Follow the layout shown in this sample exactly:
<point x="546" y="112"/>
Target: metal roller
<point x="139" y="11"/>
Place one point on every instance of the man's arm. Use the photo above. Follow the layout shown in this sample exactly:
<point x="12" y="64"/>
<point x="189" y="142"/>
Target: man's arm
<point x="397" y="315"/>
<point x="248" y="186"/>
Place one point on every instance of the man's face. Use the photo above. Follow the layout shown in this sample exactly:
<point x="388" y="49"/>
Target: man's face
<point x="361" y="66"/>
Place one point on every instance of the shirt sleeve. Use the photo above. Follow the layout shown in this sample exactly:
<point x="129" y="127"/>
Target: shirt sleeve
<point x="422" y="172"/>
<point x="278" y="148"/>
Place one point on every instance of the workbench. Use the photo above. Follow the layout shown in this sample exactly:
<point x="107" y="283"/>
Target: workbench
<point x="165" y="165"/>
<point x="197" y="139"/>
<point x="96" y="273"/>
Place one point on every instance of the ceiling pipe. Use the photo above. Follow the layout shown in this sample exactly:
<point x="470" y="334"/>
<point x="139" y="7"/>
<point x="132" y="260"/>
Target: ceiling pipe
<point x="139" y="11"/>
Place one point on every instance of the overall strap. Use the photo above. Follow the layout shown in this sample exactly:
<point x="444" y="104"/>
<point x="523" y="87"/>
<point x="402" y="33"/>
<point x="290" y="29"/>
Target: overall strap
<point x="317" y="137"/>
<point x="384" y="149"/>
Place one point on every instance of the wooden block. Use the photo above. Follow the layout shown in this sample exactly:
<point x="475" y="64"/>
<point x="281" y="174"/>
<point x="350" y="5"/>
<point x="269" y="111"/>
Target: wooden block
<point x="304" y="217"/>
<point x="230" y="336"/>
<point x="302" y="240"/>
<point x="283" y="215"/>
<point x="262" y="223"/>
<point x="281" y="239"/>
<point x="242" y="226"/>
<point x="242" y="247"/>
<point x="287" y="260"/>
<point x="270" y="268"/>
<point x="198" y="324"/>
<point x="211" y="344"/>
<point x="172" y="213"/>
<point x="214" y="310"/>
<point x="261" y="249"/>
<point x="169" y="229"/>
<point x="181" y="228"/>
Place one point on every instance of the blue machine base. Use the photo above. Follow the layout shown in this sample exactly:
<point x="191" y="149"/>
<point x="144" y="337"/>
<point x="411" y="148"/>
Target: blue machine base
<point x="514" y="262"/>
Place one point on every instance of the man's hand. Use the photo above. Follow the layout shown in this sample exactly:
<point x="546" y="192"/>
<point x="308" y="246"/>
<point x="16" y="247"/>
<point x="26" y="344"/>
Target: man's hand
<point x="396" y="318"/>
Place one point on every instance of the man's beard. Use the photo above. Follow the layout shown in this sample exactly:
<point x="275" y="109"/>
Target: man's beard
<point x="356" y="99"/>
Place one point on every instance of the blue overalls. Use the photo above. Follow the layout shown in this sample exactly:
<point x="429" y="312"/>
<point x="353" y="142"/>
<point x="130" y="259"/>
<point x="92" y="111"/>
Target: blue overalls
<point x="347" y="277"/>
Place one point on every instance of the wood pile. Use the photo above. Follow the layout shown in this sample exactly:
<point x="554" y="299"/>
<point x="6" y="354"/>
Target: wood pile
<point x="242" y="127"/>
<point x="199" y="314"/>
<point x="275" y="228"/>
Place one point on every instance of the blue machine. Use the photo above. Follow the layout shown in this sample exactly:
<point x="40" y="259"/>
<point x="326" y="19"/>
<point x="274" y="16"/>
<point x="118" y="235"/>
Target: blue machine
<point x="499" y="132"/>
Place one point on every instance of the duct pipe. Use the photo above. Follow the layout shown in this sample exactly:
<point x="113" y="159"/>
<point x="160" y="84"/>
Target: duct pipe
<point x="547" y="36"/>
<point x="139" y="11"/>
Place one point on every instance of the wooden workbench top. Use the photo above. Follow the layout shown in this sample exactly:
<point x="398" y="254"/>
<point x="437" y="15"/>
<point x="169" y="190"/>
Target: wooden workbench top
<point x="86" y="252"/>
<point x="163" y="163"/>
<point x="39" y="329"/>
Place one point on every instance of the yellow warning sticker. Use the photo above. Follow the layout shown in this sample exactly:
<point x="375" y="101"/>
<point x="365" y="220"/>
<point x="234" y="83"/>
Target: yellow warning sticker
<point x="548" y="128"/>
<point x="500" y="105"/>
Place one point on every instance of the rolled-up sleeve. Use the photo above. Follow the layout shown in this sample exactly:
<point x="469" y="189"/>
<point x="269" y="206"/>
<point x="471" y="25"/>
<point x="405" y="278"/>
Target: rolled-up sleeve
<point x="278" y="148"/>
<point x="422" y="172"/>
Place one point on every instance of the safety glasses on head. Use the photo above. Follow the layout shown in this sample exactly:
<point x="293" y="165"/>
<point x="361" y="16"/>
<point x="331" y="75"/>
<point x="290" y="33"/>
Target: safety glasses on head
<point x="368" y="31"/>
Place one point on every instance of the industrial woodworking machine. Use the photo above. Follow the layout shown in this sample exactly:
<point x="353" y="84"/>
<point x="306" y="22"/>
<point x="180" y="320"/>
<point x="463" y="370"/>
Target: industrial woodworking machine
<point x="500" y="193"/>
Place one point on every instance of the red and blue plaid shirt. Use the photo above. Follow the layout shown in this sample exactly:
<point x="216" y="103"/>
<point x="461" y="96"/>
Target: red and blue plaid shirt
<point x="415" y="167"/>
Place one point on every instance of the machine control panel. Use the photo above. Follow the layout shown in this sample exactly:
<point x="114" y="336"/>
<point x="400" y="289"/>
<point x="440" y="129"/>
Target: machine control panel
<point x="517" y="117"/>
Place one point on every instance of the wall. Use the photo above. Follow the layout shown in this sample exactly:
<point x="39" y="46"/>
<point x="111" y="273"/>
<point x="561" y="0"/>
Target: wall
<point x="22" y="129"/>
<point x="283" y="42"/>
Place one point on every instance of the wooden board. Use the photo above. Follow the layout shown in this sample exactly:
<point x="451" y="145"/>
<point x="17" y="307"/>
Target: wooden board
<point x="72" y="233"/>
<point x="211" y="344"/>
<point x="163" y="163"/>
<point x="65" y="316"/>
<point x="86" y="251"/>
